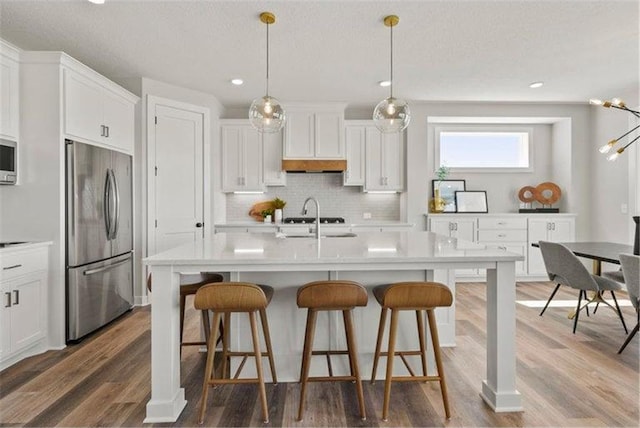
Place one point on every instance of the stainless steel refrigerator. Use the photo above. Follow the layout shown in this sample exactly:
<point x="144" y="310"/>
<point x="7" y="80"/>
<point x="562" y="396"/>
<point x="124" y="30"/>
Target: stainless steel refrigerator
<point x="99" y="241"/>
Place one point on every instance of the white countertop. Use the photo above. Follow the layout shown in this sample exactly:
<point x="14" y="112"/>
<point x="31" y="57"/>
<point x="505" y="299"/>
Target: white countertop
<point x="25" y="246"/>
<point x="373" y="223"/>
<point x="246" y="249"/>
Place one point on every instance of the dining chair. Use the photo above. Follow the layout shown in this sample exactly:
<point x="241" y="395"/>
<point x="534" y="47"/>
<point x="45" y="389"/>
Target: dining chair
<point x="631" y="269"/>
<point x="564" y="268"/>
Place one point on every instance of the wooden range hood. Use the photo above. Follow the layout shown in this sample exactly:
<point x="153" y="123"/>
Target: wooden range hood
<point x="314" y="165"/>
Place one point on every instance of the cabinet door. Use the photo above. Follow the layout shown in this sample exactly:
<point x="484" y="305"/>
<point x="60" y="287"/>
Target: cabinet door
<point x="82" y="107"/>
<point x="393" y="160"/>
<point x="465" y="229"/>
<point x="329" y="142"/>
<point x="562" y="230"/>
<point x="9" y="94"/>
<point x="26" y="310"/>
<point x="232" y="158"/>
<point x="537" y="231"/>
<point x="5" y="319"/>
<point x="272" y="173"/>
<point x="440" y="226"/>
<point x="299" y="135"/>
<point x="252" y="150"/>
<point x="374" y="175"/>
<point x="119" y="118"/>
<point x="355" y="151"/>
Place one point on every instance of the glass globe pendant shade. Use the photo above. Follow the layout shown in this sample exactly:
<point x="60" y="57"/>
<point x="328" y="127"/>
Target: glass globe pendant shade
<point x="266" y="114"/>
<point x="391" y="115"/>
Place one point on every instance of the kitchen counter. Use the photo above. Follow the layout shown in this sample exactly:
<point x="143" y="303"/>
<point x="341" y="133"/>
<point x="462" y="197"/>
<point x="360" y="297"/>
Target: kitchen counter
<point x="23" y="246"/>
<point x="371" y="258"/>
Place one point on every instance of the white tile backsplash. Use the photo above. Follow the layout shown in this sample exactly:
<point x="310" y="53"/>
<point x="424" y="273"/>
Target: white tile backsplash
<point x="335" y="199"/>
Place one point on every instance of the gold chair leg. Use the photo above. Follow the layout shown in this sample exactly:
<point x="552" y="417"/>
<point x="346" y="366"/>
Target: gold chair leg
<point x="306" y="358"/>
<point x="390" y="354"/>
<point x="208" y="367"/>
<point x="436" y="350"/>
<point x="353" y="359"/>
<point x="376" y="356"/>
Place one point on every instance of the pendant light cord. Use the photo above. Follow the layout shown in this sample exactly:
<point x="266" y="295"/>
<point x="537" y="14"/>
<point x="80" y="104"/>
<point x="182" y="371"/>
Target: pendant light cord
<point x="391" y="66"/>
<point x="267" y="59"/>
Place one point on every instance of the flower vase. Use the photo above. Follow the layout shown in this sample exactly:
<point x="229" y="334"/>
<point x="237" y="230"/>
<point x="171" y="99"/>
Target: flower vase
<point x="437" y="204"/>
<point x="277" y="215"/>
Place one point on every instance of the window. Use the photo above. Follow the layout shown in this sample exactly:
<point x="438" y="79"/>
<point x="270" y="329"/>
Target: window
<point x="484" y="148"/>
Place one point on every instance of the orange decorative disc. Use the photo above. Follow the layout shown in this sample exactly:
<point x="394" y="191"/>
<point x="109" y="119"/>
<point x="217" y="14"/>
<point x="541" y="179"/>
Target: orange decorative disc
<point x="527" y="194"/>
<point x="547" y="193"/>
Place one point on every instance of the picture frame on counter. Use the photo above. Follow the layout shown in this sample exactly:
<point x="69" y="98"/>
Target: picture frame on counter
<point x="448" y="190"/>
<point x="471" y="201"/>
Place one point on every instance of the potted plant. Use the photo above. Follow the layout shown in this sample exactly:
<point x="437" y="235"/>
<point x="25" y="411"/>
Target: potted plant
<point x="437" y="203"/>
<point x="278" y="205"/>
<point x="266" y="215"/>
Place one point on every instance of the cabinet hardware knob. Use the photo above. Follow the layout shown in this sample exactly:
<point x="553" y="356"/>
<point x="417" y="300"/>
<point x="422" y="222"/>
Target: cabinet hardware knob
<point x="199" y="224"/>
<point x="16" y="295"/>
<point x="8" y="296"/>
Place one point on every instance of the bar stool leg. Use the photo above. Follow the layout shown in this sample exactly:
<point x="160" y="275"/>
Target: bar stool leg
<point x="353" y="360"/>
<point x="423" y="347"/>
<point x="206" y="325"/>
<point x="225" y="344"/>
<point x="351" y="369"/>
<point x="306" y="358"/>
<point x="436" y="350"/>
<point x="211" y="340"/>
<point x="390" y="354"/>
<point x="376" y="356"/>
<point x="258" y="355"/>
<point x="267" y="340"/>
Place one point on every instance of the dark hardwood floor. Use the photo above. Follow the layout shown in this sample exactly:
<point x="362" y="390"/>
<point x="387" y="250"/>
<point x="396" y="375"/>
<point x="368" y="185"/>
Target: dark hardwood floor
<point x="565" y="379"/>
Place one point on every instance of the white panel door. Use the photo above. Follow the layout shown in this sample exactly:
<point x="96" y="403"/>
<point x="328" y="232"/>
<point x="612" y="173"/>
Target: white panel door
<point x="179" y="141"/>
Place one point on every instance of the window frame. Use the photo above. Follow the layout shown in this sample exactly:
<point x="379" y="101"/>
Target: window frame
<point x="498" y="128"/>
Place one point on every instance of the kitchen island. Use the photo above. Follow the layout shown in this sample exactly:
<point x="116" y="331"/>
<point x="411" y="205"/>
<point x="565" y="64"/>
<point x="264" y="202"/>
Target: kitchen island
<point x="286" y="263"/>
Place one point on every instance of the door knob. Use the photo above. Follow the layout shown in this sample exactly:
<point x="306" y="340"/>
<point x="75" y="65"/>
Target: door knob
<point x="199" y="224"/>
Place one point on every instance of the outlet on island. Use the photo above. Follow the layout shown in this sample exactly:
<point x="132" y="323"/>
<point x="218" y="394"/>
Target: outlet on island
<point x="366" y="216"/>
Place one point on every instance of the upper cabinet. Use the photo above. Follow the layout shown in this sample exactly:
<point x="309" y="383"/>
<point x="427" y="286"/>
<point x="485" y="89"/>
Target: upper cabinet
<point x="9" y="92"/>
<point x="241" y="157"/>
<point x="272" y="173"/>
<point x="97" y="111"/>
<point x="384" y="161"/>
<point x="355" y="150"/>
<point x="314" y="132"/>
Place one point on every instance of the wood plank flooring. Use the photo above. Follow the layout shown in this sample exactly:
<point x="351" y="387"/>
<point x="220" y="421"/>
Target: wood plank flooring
<point x="565" y="379"/>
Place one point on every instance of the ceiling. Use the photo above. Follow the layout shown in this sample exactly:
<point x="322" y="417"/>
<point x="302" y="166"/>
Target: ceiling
<point x="456" y="50"/>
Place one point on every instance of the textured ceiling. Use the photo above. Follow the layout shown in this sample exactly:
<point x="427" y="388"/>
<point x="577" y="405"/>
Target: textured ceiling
<point x="338" y="50"/>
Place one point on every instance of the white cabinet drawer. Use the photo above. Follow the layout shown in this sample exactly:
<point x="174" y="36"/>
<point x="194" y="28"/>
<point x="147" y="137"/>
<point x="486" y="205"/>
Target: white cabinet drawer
<point x="502" y="235"/>
<point x="23" y="262"/>
<point x="502" y="223"/>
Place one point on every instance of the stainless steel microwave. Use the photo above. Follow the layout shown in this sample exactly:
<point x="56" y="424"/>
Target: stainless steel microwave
<point x="8" y="161"/>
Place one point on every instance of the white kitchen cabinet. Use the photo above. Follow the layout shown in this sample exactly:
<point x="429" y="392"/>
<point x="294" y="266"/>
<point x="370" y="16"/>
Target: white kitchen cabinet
<point x="314" y="132"/>
<point x="272" y="173"/>
<point x="460" y="227"/>
<point x="384" y="161"/>
<point x="355" y="151"/>
<point x="24" y="304"/>
<point x="98" y="112"/>
<point x="241" y="157"/>
<point x="9" y="92"/>
<point x="548" y="228"/>
<point x="507" y="233"/>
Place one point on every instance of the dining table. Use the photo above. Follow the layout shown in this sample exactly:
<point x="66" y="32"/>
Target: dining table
<point x="598" y="252"/>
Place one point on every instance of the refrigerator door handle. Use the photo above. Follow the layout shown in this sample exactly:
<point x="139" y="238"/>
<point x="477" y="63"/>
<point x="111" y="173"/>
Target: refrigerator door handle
<point x="107" y="204"/>
<point x="102" y="269"/>
<point x="116" y="194"/>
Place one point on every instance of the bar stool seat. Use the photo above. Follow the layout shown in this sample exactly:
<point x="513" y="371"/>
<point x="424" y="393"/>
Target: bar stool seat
<point x="225" y="298"/>
<point x="328" y="296"/>
<point x="416" y="296"/>
<point x="189" y="285"/>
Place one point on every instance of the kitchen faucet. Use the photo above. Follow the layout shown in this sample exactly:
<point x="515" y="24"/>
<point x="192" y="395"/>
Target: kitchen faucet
<point x="304" y="212"/>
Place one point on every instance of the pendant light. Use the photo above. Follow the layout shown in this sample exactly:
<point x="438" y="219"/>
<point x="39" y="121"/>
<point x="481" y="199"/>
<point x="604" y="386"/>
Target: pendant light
<point x="266" y="113"/>
<point x="391" y="114"/>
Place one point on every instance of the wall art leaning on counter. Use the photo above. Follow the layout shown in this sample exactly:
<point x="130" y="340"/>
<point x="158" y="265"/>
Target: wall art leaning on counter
<point x="546" y="193"/>
<point x="471" y="201"/>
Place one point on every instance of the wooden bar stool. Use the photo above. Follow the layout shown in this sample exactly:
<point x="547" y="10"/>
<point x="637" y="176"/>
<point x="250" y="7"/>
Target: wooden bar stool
<point x="224" y="298"/>
<point x="189" y="285"/>
<point x="331" y="296"/>
<point x="414" y="296"/>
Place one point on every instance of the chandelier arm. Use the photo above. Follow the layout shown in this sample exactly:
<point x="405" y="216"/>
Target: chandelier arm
<point x="625" y="108"/>
<point x="627" y="133"/>
<point x="631" y="142"/>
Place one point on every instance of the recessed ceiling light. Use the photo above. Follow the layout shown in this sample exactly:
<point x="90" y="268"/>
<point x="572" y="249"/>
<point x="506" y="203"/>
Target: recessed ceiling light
<point x="384" y="83"/>
<point x="237" y="82"/>
<point x="536" y="84"/>
<point x="97" y="1"/>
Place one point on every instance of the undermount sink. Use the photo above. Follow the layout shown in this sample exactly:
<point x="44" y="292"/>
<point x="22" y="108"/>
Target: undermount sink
<point x="311" y="235"/>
